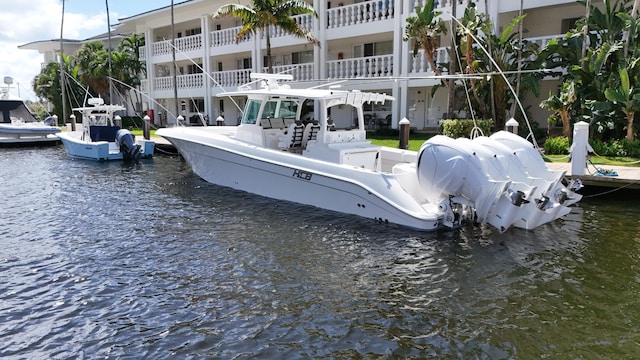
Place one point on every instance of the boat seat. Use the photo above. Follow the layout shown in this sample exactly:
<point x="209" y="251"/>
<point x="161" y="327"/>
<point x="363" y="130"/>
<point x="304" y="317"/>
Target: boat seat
<point x="288" y="122"/>
<point x="292" y="140"/>
<point x="103" y="133"/>
<point x="277" y="123"/>
<point x="265" y="123"/>
<point x="310" y="132"/>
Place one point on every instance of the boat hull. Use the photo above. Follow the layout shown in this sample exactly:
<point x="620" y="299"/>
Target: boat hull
<point x="221" y="160"/>
<point x="28" y="134"/>
<point x="99" y="150"/>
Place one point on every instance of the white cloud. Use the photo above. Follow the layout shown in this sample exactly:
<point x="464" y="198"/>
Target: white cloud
<point x="23" y="22"/>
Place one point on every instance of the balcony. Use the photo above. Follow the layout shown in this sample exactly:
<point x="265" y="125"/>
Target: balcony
<point x="231" y="78"/>
<point x="360" y="13"/>
<point x="300" y="72"/>
<point x="183" y="44"/>
<point x="304" y="21"/>
<point x="363" y="67"/>
<point x="226" y="37"/>
<point x="190" y="81"/>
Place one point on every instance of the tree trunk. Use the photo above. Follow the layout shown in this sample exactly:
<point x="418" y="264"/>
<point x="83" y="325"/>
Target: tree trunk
<point x="566" y="126"/>
<point x="518" y="75"/>
<point x="268" y="38"/>
<point x="630" y="135"/>
<point x="585" y="34"/>
<point x="453" y="63"/>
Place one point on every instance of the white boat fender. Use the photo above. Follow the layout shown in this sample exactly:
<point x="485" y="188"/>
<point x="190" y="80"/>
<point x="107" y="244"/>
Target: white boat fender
<point x="126" y="141"/>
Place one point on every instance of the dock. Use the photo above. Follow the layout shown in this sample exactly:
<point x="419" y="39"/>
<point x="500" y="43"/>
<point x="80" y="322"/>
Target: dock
<point x="628" y="177"/>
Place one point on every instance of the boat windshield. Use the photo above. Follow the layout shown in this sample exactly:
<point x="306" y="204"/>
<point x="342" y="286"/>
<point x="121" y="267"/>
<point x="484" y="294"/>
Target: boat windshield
<point x="251" y="112"/>
<point x="273" y="109"/>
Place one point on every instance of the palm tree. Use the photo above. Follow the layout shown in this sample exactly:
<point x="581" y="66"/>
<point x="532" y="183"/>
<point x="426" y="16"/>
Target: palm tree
<point x="628" y="97"/>
<point x="266" y="13"/>
<point x="561" y="104"/>
<point x="93" y="61"/>
<point x="425" y="30"/>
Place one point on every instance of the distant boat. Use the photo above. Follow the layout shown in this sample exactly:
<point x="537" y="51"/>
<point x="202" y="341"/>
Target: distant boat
<point x="18" y="125"/>
<point x="100" y="139"/>
<point x="319" y="156"/>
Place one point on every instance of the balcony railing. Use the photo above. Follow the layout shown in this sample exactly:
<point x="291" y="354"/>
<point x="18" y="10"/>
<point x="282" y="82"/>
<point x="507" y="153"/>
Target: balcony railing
<point x="190" y="81"/>
<point x="419" y="63"/>
<point x="226" y="36"/>
<point x="183" y="44"/>
<point x="364" y="67"/>
<point x="300" y="72"/>
<point x="360" y="13"/>
<point x="231" y="78"/>
<point x="304" y="21"/>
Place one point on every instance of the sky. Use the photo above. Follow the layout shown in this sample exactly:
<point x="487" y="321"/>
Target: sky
<point x="26" y="21"/>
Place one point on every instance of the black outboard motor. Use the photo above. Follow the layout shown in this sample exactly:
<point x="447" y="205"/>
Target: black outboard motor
<point x="126" y="141"/>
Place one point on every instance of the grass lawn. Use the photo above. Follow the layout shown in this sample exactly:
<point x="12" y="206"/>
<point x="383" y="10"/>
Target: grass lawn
<point x="598" y="160"/>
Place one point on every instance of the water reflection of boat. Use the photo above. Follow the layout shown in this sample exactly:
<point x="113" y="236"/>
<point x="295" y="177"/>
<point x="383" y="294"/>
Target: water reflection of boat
<point x="18" y="125"/>
<point x="327" y="162"/>
<point x="100" y="139"/>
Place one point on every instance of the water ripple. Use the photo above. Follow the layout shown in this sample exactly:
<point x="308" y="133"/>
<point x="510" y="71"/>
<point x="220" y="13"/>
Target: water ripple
<point x="112" y="260"/>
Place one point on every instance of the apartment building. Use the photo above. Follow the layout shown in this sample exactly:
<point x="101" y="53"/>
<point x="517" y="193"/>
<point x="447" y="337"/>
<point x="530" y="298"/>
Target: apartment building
<point x="361" y="48"/>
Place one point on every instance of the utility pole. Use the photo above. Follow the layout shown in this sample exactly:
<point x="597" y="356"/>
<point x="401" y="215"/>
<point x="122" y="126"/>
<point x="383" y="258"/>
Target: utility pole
<point x="175" y="68"/>
<point x="109" y="52"/>
<point x="62" y="77"/>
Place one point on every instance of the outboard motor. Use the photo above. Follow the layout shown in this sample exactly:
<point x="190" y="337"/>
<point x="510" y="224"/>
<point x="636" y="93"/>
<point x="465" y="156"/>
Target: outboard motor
<point x="126" y="141"/>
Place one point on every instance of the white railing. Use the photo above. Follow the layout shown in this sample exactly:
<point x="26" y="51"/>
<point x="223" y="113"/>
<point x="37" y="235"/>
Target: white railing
<point x="231" y="78"/>
<point x="438" y="4"/>
<point x="304" y="21"/>
<point x="226" y="36"/>
<point x="300" y="72"/>
<point x="542" y="41"/>
<point x="142" y="53"/>
<point x="188" y="43"/>
<point x="144" y="86"/>
<point x="419" y="63"/>
<point x="360" y="13"/>
<point x="364" y="67"/>
<point x="190" y="81"/>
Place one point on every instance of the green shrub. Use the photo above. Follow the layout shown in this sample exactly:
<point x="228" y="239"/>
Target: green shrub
<point x="457" y="128"/>
<point x="558" y="145"/>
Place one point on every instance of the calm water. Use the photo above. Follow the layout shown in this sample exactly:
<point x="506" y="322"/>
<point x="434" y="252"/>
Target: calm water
<point x="107" y="260"/>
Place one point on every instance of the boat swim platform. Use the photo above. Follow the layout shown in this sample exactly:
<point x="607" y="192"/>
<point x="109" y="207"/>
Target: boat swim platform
<point x="628" y="177"/>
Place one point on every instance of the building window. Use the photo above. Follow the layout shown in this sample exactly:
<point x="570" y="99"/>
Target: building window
<point x="195" y="69"/>
<point x="302" y="57"/>
<point x="194" y="31"/>
<point x="568" y="24"/>
<point x="373" y="49"/>
<point x="196" y="105"/>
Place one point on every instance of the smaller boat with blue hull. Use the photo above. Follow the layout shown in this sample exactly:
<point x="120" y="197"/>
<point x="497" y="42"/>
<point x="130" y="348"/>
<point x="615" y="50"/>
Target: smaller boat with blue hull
<point x="101" y="139"/>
